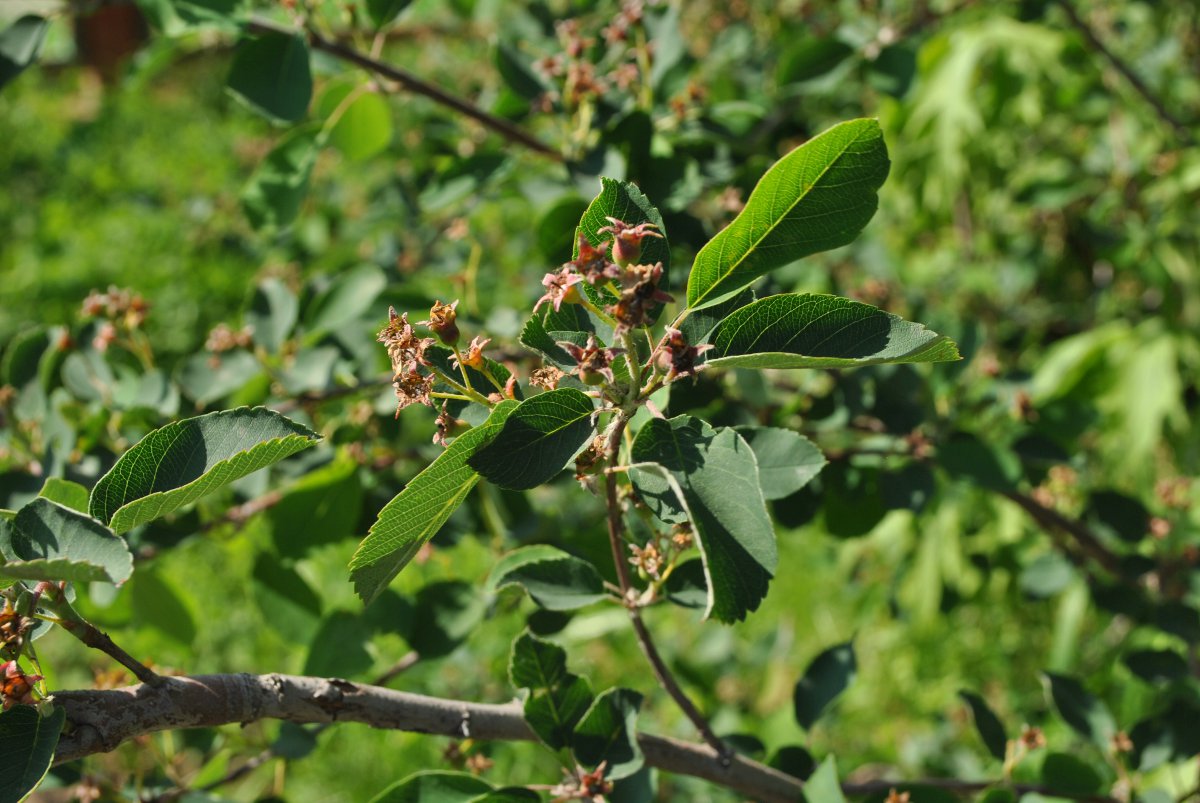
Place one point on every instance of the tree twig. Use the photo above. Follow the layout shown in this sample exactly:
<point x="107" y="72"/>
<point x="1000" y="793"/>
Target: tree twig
<point x="97" y="639"/>
<point x="644" y="639"/>
<point x="1180" y="130"/>
<point x="418" y="86"/>
<point x="1084" y="538"/>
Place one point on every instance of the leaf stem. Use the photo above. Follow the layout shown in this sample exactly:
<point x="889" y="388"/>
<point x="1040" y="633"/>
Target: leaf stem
<point x="468" y="392"/>
<point x="629" y="597"/>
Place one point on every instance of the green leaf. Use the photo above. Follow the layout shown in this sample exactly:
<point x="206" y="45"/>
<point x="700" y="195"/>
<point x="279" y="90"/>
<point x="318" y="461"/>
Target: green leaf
<point x="364" y="127"/>
<point x="818" y="197"/>
<point x="805" y="330"/>
<point x="202" y="381"/>
<point x="53" y="542"/>
<point x="21" y="358"/>
<point x="272" y="314"/>
<point x="181" y="462"/>
<point x="537" y="337"/>
<point x="1081" y="710"/>
<point x="272" y="76"/>
<point x="698" y="325"/>
<point x="180" y="17"/>
<point x="157" y="603"/>
<point x="435" y="787"/>
<point x="1157" y="665"/>
<point x="288" y="604"/>
<point x="420" y="510"/>
<point x="1069" y="775"/>
<point x="557" y="699"/>
<point x="383" y="12"/>
<point x="273" y="196"/>
<point x="988" y="724"/>
<point x="444" y="615"/>
<point x="554" y="579"/>
<point x="787" y="461"/>
<point x="608" y="733"/>
<point x="711" y="477"/>
<point x="811" y="57"/>
<point x="66" y="493"/>
<point x="514" y="69"/>
<point x="823" y="786"/>
<point x="27" y="742"/>
<point x="826" y="677"/>
<point x="624" y="201"/>
<point x="322" y="507"/>
<point x="348" y="298"/>
<point x="537" y="440"/>
<point x="19" y="45"/>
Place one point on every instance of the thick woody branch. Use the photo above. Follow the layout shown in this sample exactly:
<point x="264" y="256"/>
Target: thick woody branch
<point x="99" y="721"/>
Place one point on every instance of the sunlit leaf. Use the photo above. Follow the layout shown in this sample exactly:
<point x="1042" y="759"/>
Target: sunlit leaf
<point x="537" y="440"/>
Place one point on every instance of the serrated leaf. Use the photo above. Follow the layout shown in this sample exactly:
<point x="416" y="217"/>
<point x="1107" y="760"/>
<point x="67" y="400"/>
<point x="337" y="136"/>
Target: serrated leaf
<point x="698" y="325"/>
<point x="181" y="462"/>
<point x="19" y="45"/>
<point x="554" y="579"/>
<point x="1082" y="710"/>
<point x="625" y="202"/>
<point x="416" y="513"/>
<point x="537" y="440"/>
<point x="807" y="330"/>
<point x="557" y="699"/>
<point x="827" y="676"/>
<point x="66" y="493"/>
<point x="711" y="476"/>
<point x="608" y="733"/>
<point x="271" y="75"/>
<point x="787" y="460"/>
<point x="435" y="787"/>
<point x="49" y="541"/>
<point x="824" y="786"/>
<point x="27" y="742"/>
<point x="988" y="724"/>
<point x="275" y="192"/>
<point x="818" y="197"/>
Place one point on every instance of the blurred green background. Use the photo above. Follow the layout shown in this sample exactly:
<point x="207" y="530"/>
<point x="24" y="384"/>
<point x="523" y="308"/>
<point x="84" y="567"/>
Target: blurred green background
<point x="1040" y="210"/>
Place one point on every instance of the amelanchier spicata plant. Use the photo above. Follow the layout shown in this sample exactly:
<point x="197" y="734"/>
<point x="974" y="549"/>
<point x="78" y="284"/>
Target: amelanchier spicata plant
<point x="614" y="327"/>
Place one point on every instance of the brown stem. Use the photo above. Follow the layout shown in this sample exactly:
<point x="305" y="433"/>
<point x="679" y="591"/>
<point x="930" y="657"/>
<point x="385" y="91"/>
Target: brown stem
<point x="97" y="639"/>
<point x="412" y="83"/>
<point x="1181" y="131"/>
<point x="645" y="640"/>
<point x="1084" y="538"/>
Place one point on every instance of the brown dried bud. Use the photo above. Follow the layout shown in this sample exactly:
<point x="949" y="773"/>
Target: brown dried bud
<point x="442" y="322"/>
<point x="546" y="377"/>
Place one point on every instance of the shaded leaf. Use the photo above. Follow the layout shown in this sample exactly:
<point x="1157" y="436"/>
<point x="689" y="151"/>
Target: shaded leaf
<point x="272" y="313"/>
<point x="339" y="648"/>
<point x="349" y="297"/>
<point x="205" y="382"/>
<point x="321" y="507"/>
<point x="288" y="604"/>
<point x="416" y="513"/>
<point x="444" y="615"/>
<point x="794" y="760"/>
<point x="158" y="604"/>
<point x="806" y="330"/>
<point x="1069" y="775"/>
<point x="826" y="677"/>
<point x="537" y="440"/>
<point x="271" y="75"/>
<point x="711" y="477"/>
<point x="987" y="465"/>
<point x="383" y="12"/>
<point x="810" y="58"/>
<point x="274" y="194"/>
<point x="554" y="579"/>
<point x="608" y="733"/>
<point x="53" y="542"/>
<point x="824" y="786"/>
<point x="818" y="197"/>
<point x="988" y="724"/>
<point x="27" y="742"/>
<point x="557" y="699"/>
<point x="177" y="464"/>
<point x="19" y="45"/>
<point x="1157" y="665"/>
<point x="1081" y="710"/>
<point x="787" y="460"/>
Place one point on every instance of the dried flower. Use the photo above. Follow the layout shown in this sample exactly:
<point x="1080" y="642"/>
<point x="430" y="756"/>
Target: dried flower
<point x="647" y="559"/>
<point x="442" y="322"/>
<point x="1032" y="738"/>
<point x="13" y="627"/>
<point x="106" y="334"/>
<point x="639" y="296"/>
<point x="16" y="687"/>
<point x="593" y="364"/>
<point x="677" y="357"/>
<point x="224" y="338"/>
<point x="682" y="536"/>
<point x="897" y="797"/>
<point x="445" y="425"/>
<point x="546" y="377"/>
<point x="588" y="461"/>
<point x="592" y="264"/>
<point x="560" y="287"/>
<point x="1121" y="743"/>
<point x="412" y="388"/>
<point x="627" y="240"/>
<point x="474" y="356"/>
<point x="405" y="349"/>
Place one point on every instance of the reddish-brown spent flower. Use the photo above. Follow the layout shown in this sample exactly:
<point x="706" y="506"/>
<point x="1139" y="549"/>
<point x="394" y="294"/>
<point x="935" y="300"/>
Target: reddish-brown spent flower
<point x="677" y="357"/>
<point x="897" y="797"/>
<point x="106" y="334"/>
<point x="445" y="426"/>
<point x="405" y="349"/>
<point x="648" y="559"/>
<point x="592" y="264"/>
<point x="474" y="355"/>
<point x="412" y="388"/>
<point x="627" y="240"/>
<point x="13" y="627"/>
<point x="15" y="686"/>
<point x="639" y="296"/>
<point x="560" y="287"/>
<point x="224" y="338"/>
<point x="546" y="377"/>
<point x="441" y="322"/>
<point x="1032" y="738"/>
<point x="594" y="364"/>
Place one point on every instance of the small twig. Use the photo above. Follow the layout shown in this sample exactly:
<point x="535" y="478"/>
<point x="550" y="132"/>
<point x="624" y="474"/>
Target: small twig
<point x="645" y="640"/>
<point x="1087" y="541"/>
<point x="412" y="83"/>
<point x="97" y="639"/>
<point x="327" y="395"/>
<point x="1181" y="131"/>
<point x="239" y="515"/>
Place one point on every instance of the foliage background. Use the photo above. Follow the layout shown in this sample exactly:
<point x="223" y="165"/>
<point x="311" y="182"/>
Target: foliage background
<point x="1038" y="210"/>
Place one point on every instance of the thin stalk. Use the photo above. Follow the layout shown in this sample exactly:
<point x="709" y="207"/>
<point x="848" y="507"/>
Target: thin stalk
<point x="69" y="619"/>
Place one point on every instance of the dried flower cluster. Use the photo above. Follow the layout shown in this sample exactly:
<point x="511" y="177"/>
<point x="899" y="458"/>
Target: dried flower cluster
<point x="407" y="353"/>
<point x="16" y="687"/>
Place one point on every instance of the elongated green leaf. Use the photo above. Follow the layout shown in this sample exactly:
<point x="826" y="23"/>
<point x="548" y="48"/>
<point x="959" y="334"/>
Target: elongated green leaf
<point x="435" y="787"/>
<point x="802" y="330"/>
<point x="19" y="45"/>
<point x="557" y="699"/>
<point x="787" y="460"/>
<point x="826" y="677"/>
<point x="816" y="198"/>
<point x="383" y="12"/>
<point x="1082" y="710"/>
<point x="272" y="76"/>
<point x="823" y="786"/>
<point x="420" y="510"/>
<point x="27" y="742"/>
<point x="537" y="440"/>
<point x="556" y="581"/>
<point x="181" y="462"/>
<point x="991" y="730"/>
<point x="608" y="733"/>
<point x="66" y="493"/>
<point x="52" y="542"/>
<point x="711" y="477"/>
